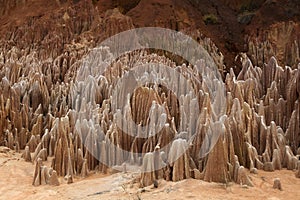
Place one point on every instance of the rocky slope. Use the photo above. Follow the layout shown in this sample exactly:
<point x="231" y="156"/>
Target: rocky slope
<point x="42" y="46"/>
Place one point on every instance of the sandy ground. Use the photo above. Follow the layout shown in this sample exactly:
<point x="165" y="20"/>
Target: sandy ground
<point x="16" y="178"/>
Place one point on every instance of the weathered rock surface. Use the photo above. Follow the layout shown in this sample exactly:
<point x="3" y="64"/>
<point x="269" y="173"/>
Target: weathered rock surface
<point x="26" y="155"/>
<point x="277" y="184"/>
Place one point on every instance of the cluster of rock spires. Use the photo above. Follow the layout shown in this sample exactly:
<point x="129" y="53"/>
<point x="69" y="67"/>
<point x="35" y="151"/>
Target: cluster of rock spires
<point x="41" y="114"/>
<point x="74" y="123"/>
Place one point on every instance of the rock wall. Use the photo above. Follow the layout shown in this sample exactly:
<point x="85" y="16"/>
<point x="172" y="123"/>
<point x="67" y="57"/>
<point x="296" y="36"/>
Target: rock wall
<point x="280" y="40"/>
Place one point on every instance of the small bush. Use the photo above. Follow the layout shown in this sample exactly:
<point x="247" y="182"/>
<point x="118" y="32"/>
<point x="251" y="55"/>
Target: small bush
<point x="210" y="19"/>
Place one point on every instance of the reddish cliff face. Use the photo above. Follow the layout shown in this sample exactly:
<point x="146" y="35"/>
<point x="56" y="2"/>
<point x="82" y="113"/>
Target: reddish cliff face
<point x="234" y="26"/>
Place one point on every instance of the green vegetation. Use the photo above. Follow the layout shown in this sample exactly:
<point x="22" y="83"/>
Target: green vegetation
<point x="210" y="19"/>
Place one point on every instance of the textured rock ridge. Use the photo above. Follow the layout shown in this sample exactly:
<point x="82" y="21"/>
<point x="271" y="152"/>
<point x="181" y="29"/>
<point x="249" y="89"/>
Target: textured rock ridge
<point x="253" y="136"/>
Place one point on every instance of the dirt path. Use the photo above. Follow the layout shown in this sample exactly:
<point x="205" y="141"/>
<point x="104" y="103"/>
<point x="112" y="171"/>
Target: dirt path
<point x="16" y="178"/>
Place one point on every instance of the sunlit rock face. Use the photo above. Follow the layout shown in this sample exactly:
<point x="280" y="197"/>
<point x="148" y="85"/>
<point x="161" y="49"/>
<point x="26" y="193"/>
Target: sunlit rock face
<point x="75" y="124"/>
<point x="253" y="136"/>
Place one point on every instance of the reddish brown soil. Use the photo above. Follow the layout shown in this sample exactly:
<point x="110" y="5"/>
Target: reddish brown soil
<point x="16" y="178"/>
<point x="228" y="34"/>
